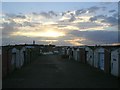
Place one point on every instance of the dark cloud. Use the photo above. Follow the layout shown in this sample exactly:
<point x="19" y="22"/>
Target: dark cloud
<point x="111" y="11"/>
<point x="45" y="14"/>
<point x="10" y="26"/>
<point x="51" y="13"/>
<point x="89" y="10"/>
<point x="20" y="16"/>
<point x="66" y="12"/>
<point x="31" y="24"/>
<point x="78" y="12"/>
<point x="15" y="16"/>
<point x="34" y="13"/>
<point x="93" y="19"/>
<point x="88" y="25"/>
<point x="111" y="20"/>
<point x="8" y="29"/>
<point x="103" y="8"/>
<point x="17" y="40"/>
<point x="97" y="17"/>
<point x="97" y="36"/>
<point x="10" y="15"/>
<point x="115" y="15"/>
<point x="93" y="9"/>
<point x="72" y="18"/>
<point x="63" y="13"/>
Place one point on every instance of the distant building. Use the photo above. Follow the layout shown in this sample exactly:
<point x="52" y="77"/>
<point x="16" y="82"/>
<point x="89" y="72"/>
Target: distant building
<point x="33" y="42"/>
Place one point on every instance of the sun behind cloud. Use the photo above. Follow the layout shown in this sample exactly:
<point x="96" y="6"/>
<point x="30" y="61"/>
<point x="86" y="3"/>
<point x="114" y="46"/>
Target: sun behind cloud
<point x="61" y="25"/>
<point x="49" y="33"/>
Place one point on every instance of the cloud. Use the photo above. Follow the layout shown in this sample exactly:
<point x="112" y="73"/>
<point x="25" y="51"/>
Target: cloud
<point x="115" y="15"/>
<point x="79" y="12"/>
<point x="105" y="19"/>
<point x="111" y="20"/>
<point x="103" y="8"/>
<point x="111" y="11"/>
<point x="75" y="27"/>
<point x="44" y="14"/>
<point x="51" y="13"/>
<point x="15" y="16"/>
<point x="9" y="28"/>
<point x="93" y="9"/>
<point x="76" y="41"/>
<point x="69" y="27"/>
<point x="72" y="18"/>
<point x="17" y="40"/>
<point x="65" y="13"/>
<point x="93" y="37"/>
<point x="89" y="26"/>
<point x="97" y="17"/>
<point x="49" y="41"/>
<point x="68" y="16"/>
<point x="44" y="31"/>
<point x="47" y="15"/>
<point x="26" y="23"/>
<point x="6" y="30"/>
<point x="20" y="16"/>
<point x="88" y="10"/>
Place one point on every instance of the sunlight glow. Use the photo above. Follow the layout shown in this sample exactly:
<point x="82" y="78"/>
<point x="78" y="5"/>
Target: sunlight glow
<point x="39" y="34"/>
<point x="76" y="41"/>
<point x="51" y="34"/>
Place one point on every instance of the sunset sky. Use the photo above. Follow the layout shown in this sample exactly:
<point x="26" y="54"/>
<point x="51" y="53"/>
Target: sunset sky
<point x="59" y="23"/>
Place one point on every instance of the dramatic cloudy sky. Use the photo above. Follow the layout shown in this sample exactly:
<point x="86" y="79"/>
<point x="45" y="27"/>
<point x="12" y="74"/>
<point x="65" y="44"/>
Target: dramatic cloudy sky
<point x="78" y="23"/>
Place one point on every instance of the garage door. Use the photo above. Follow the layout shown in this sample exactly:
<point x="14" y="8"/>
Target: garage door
<point x="101" y="61"/>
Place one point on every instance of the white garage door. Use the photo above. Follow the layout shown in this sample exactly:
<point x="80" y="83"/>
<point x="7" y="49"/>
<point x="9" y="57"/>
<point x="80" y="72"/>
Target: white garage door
<point x="101" y="61"/>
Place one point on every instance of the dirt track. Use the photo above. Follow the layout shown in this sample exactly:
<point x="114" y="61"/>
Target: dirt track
<point x="52" y="71"/>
